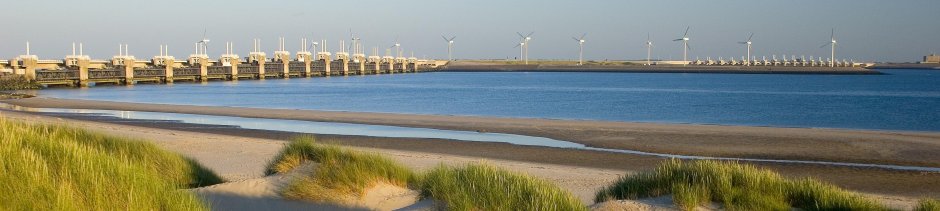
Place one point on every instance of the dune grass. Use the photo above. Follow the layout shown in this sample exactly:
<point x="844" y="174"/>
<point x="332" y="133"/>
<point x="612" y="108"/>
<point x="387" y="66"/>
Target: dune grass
<point x="928" y="205"/>
<point x="47" y="167"/>
<point x="485" y="187"/>
<point x="736" y="186"/>
<point x="340" y="173"/>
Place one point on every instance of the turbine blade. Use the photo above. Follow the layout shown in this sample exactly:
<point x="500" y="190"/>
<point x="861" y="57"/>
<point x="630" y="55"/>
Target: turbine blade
<point x="686" y="31"/>
<point x="530" y="34"/>
<point x="742" y="42"/>
<point x="445" y="38"/>
<point x="824" y="45"/>
<point x="575" y="39"/>
<point x="452" y="38"/>
<point x="582" y="36"/>
<point x="687" y="46"/>
<point x="520" y="35"/>
<point x="677" y="40"/>
<point x="749" y="37"/>
<point x="832" y="35"/>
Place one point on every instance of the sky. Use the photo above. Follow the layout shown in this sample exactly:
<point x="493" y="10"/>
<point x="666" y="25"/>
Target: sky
<point x="866" y="30"/>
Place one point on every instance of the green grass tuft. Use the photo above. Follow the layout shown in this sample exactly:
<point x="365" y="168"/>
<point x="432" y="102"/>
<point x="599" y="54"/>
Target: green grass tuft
<point x="484" y="187"/>
<point x="341" y="173"/>
<point x="928" y="205"/>
<point x="49" y="167"/>
<point x="736" y="186"/>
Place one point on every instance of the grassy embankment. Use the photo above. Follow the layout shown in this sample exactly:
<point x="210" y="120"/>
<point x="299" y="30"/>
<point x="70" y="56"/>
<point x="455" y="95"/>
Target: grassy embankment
<point x="735" y="186"/>
<point x="47" y="167"/>
<point x="473" y="187"/>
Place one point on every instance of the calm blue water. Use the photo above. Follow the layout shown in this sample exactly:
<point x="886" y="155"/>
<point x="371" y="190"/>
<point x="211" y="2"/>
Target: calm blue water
<point x="901" y="100"/>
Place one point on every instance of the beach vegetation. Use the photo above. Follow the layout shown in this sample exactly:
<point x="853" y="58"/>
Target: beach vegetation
<point x="733" y="185"/>
<point x="928" y="205"/>
<point x="339" y="172"/>
<point x="54" y="167"/>
<point x="485" y="187"/>
<point x="342" y="173"/>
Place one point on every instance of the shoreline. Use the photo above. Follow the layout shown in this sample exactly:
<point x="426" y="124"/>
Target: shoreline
<point x="835" y="145"/>
<point x="889" y="184"/>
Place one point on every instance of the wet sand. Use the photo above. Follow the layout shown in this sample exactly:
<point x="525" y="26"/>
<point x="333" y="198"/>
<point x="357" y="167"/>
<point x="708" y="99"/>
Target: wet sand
<point x="903" y="185"/>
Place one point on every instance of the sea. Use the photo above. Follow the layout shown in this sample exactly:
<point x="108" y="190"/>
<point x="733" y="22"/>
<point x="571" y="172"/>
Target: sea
<point x="902" y="100"/>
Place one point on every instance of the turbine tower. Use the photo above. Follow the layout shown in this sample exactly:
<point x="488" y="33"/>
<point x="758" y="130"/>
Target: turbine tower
<point x="748" y="43"/>
<point x="521" y="47"/>
<point x="685" y="46"/>
<point x="450" y="47"/>
<point x="832" y="43"/>
<point x="649" y="49"/>
<point x="525" y="45"/>
<point x="580" y="48"/>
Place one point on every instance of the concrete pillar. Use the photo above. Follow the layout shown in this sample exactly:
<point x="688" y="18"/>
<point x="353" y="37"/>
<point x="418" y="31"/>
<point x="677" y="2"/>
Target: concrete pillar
<point x="204" y="69"/>
<point x="234" y="69"/>
<point x="285" y="61"/>
<point x="129" y="71"/>
<point x="362" y="67"/>
<point x="326" y="66"/>
<point x="168" y="74"/>
<point x="307" y="67"/>
<point x="261" y="68"/>
<point x="29" y="67"/>
<point x="83" y="64"/>
<point x="345" y="63"/>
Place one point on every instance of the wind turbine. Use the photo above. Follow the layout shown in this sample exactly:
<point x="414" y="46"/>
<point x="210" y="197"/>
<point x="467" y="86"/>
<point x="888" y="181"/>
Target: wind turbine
<point x="748" y="43"/>
<point x="685" y="45"/>
<point x="397" y="47"/>
<point x="525" y="45"/>
<point x="649" y="49"/>
<point x="204" y="43"/>
<point x="450" y="46"/>
<point x="832" y="43"/>
<point x="580" y="48"/>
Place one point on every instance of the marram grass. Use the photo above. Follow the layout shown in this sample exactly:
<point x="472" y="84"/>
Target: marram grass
<point x="342" y="173"/>
<point x="47" y="167"/>
<point x="928" y="205"/>
<point x="735" y="186"/>
<point x="485" y="187"/>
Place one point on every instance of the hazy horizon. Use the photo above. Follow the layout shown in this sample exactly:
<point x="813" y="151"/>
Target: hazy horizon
<point x="892" y="31"/>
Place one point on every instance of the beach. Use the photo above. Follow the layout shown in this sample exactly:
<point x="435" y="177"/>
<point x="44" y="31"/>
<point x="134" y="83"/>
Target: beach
<point x="886" y="147"/>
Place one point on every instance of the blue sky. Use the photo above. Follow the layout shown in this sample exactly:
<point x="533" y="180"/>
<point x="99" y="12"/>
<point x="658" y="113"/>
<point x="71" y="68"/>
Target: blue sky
<point x="866" y="29"/>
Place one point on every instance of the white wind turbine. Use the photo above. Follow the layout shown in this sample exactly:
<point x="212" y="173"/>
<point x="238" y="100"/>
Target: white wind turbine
<point x="525" y="45"/>
<point x="649" y="49"/>
<point x="748" y="43"/>
<point x="450" y="47"/>
<point x="397" y="47"/>
<point x="580" y="48"/>
<point x="685" y="46"/>
<point x="832" y="43"/>
<point x="202" y="44"/>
